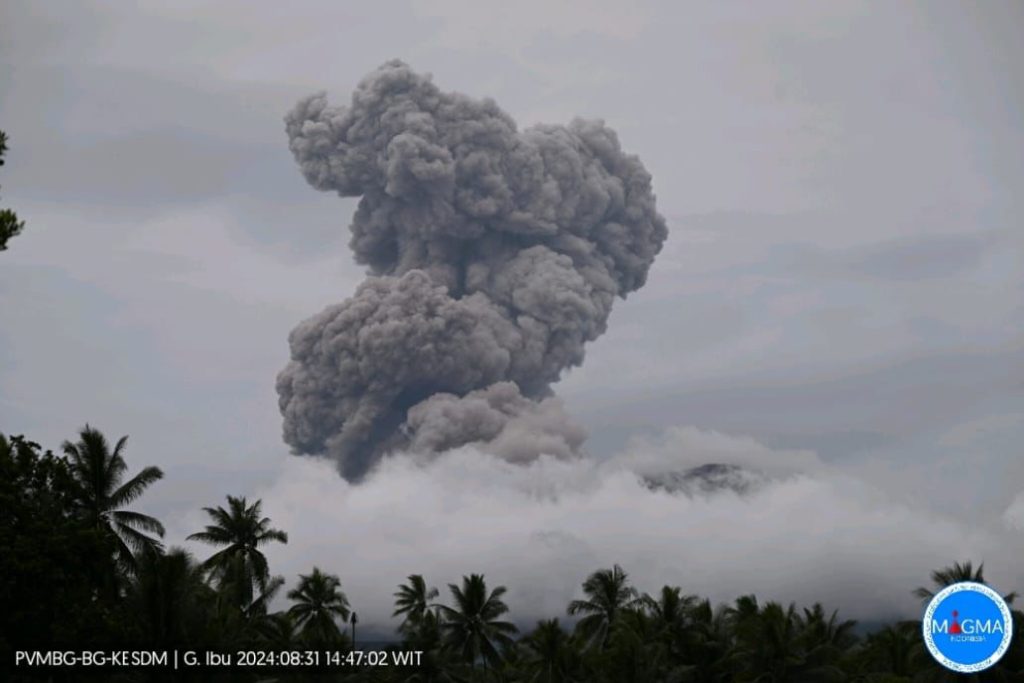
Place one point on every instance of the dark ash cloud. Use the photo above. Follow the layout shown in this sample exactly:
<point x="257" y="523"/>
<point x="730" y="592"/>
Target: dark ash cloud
<point x="495" y="255"/>
<point x="513" y="427"/>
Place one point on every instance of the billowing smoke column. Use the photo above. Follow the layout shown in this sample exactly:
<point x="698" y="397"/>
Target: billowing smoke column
<point x="494" y="256"/>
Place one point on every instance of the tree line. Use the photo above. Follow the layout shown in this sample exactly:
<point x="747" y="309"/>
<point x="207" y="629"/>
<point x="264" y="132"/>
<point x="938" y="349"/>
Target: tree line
<point x="79" y="568"/>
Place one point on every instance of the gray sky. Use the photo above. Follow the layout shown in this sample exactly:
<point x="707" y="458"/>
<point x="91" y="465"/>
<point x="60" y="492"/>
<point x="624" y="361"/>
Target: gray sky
<point x="843" y="275"/>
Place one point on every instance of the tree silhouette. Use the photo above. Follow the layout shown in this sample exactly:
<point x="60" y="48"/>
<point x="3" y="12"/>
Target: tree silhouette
<point x="55" y="566"/>
<point x="319" y="604"/>
<point x="670" y="613"/>
<point x="9" y="223"/>
<point x="472" y="628"/>
<point x="947" y="576"/>
<point x="103" y="493"/>
<point x="168" y="599"/>
<point x="896" y="649"/>
<point x="551" y="655"/>
<point x="60" y="541"/>
<point x="240" y="565"/>
<point x="608" y="594"/>
<point x="412" y="602"/>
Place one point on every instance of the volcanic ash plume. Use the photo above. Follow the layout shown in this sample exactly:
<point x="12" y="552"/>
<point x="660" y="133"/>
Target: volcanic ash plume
<point x="494" y="256"/>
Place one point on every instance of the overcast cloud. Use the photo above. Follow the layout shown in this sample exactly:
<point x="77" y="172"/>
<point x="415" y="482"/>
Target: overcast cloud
<point x="842" y="280"/>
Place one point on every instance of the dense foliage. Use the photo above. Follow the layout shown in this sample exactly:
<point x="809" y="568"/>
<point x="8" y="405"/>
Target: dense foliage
<point x="78" y="569"/>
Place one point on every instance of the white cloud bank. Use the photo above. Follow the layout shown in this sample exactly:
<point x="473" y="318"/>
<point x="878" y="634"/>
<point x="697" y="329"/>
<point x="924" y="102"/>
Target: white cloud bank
<point x="810" y="533"/>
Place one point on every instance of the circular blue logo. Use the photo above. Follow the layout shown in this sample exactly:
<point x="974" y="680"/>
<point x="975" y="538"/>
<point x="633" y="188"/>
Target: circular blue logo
<point x="967" y="627"/>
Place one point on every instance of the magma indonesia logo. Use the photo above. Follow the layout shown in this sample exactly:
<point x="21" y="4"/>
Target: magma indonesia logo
<point x="967" y="627"/>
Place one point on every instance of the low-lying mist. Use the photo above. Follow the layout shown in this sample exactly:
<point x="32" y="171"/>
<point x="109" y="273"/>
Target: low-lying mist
<point x="780" y="524"/>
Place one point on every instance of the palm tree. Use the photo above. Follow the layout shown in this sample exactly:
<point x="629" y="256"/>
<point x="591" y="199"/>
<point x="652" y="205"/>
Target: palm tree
<point x="102" y="493"/>
<point x="825" y="642"/>
<point x="942" y="578"/>
<point x="670" y="612"/>
<point x="608" y="595"/>
<point x="278" y="632"/>
<point x="709" y="643"/>
<point x="239" y="565"/>
<point x="472" y="628"/>
<point x="551" y="655"/>
<point x="412" y="600"/>
<point x="895" y="650"/>
<point x="819" y="631"/>
<point x="635" y="653"/>
<point x="168" y="599"/>
<point x="947" y="576"/>
<point x="257" y="609"/>
<point x="319" y="601"/>
<point x="768" y="641"/>
<point x="744" y="611"/>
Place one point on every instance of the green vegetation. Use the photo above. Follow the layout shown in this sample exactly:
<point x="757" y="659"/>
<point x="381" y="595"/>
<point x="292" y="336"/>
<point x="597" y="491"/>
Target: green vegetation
<point x="9" y="223"/>
<point x="79" y="570"/>
<point x="240" y="568"/>
<point x="317" y="606"/>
